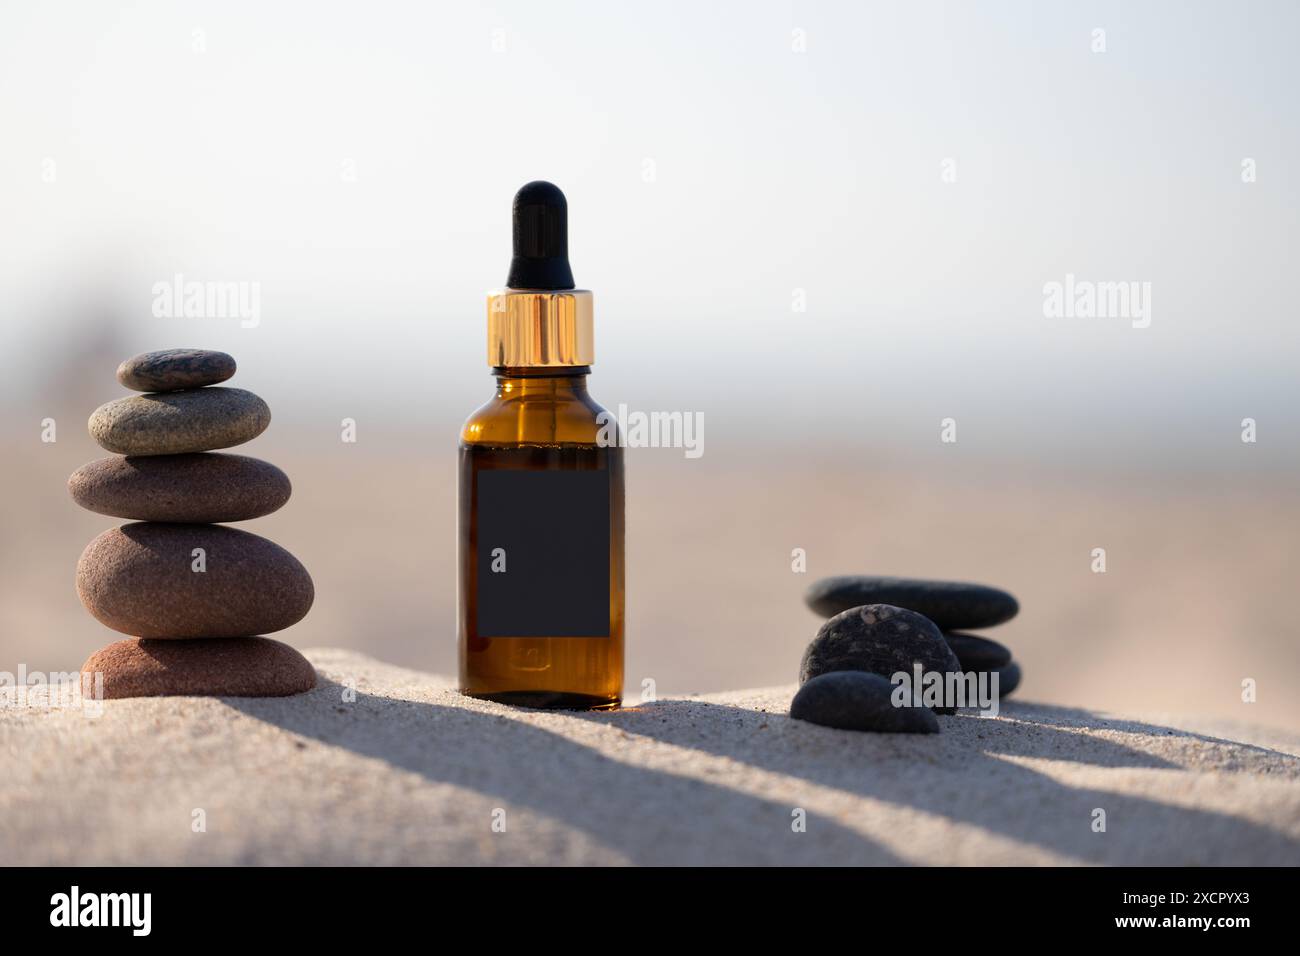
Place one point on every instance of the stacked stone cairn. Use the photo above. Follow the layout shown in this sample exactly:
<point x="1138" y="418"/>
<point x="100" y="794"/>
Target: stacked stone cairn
<point x="879" y="626"/>
<point x="194" y="595"/>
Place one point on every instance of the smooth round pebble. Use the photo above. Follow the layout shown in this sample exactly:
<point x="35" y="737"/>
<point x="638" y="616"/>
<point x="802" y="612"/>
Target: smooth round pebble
<point x="976" y="653"/>
<point x="855" y="700"/>
<point x="140" y="579"/>
<point x="198" y="488"/>
<point x="952" y="605"/>
<point x="880" y="639"/>
<point x="174" y="423"/>
<point x="877" y="638"/>
<point x="215" y="667"/>
<point x="171" y="369"/>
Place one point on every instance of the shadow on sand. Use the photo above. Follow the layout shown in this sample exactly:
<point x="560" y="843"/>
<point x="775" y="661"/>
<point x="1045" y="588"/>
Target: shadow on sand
<point x="521" y="765"/>
<point x="974" y="773"/>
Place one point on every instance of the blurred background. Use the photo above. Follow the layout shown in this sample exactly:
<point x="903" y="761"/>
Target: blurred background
<point x="825" y="226"/>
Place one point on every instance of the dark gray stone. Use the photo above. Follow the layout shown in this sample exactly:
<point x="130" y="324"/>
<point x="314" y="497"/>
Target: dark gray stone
<point x="952" y="605"/>
<point x="171" y="369"/>
<point x="880" y="639"/>
<point x="1008" y="679"/>
<point x="855" y="700"/>
<point x="976" y="653"/>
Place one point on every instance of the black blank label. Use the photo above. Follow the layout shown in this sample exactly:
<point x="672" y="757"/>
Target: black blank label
<point x="551" y="530"/>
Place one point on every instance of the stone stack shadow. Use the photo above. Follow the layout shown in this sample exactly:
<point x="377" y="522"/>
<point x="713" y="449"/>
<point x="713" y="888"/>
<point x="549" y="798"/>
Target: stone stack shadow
<point x="194" y="595"/>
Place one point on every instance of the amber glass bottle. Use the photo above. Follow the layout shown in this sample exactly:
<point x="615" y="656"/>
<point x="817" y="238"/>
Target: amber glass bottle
<point x="541" y="492"/>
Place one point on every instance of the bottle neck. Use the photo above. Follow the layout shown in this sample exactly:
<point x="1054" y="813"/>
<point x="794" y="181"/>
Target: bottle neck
<point x="559" y="382"/>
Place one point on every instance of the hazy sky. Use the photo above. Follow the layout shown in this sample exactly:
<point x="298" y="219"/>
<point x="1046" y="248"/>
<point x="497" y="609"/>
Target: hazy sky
<point x="920" y="171"/>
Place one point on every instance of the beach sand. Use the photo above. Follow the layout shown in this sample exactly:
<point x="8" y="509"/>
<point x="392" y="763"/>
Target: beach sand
<point x="409" y="772"/>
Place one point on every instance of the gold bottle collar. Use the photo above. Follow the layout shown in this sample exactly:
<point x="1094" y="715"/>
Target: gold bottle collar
<point x="540" y="329"/>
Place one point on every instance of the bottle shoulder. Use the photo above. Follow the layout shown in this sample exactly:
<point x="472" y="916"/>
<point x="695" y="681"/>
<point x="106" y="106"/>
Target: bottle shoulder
<point x="536" y="419"/>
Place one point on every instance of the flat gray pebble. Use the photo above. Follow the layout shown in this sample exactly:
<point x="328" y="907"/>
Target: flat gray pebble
<point x="175" y="423"/>
<point x="170" y="369"/>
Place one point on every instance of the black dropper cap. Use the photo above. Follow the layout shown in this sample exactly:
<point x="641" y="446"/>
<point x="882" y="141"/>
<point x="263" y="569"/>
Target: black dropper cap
<point x="541" y="229"/>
